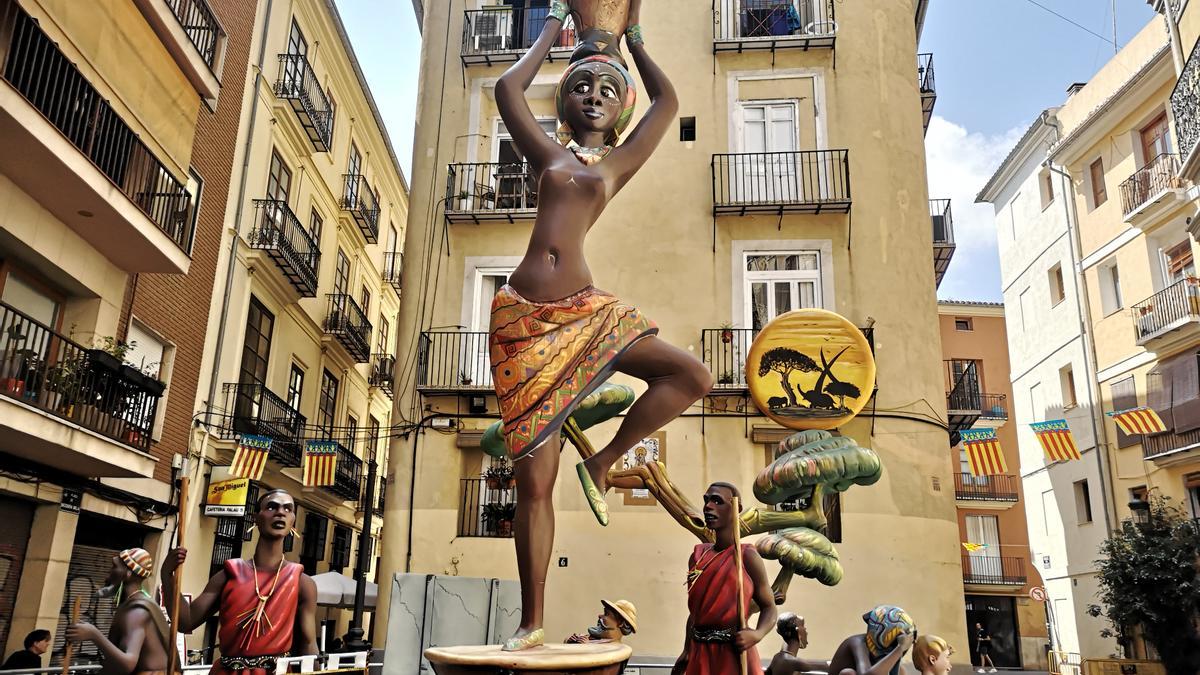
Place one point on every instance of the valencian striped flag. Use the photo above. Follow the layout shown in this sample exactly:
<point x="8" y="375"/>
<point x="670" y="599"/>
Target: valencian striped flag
<point x="973" y="547"/>
<point x="250" y="458"/>
<point x="984" y="456"/>
<point x="1057" y="440"/>
<point x="320" y="463"/>
<point x="1138" y="421"/>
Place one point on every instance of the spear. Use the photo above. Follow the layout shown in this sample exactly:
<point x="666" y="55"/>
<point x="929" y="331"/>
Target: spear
<point x="69" y="651"/>
<point x="741" y="590"/>
<point x="181" y="528"/>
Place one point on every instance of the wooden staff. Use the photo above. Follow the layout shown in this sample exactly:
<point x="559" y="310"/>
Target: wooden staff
<point x="741" y="590"/>
<point x="69" y="651"/>
<point x="181" y="528"/>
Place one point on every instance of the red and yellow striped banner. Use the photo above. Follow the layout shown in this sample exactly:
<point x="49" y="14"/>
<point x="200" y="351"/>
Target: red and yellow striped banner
<point x="1057" y="440"/>
<point x="1138" y="421"/>
<point x="984" y="455"/>
<point x="320" y="463"/>
<point x="250" y="457"/>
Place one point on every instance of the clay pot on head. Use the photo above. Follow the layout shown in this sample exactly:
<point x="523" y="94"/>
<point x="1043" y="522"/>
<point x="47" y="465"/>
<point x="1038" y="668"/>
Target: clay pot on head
<point x="599" y="25"/>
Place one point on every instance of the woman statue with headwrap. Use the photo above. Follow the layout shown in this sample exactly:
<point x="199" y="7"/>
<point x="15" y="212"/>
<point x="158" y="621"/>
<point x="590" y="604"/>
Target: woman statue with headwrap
<point x="554" y="337"/>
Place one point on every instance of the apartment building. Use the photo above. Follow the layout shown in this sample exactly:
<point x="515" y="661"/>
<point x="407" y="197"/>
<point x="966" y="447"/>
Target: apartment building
<point x="744" y="212"/>
<point x="997" y="578"/>
<point x="112" y="181"/>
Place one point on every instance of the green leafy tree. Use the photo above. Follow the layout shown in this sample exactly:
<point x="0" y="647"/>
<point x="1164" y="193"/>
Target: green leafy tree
<point x="1149" y="579"/>
<point x="785" y="361"/>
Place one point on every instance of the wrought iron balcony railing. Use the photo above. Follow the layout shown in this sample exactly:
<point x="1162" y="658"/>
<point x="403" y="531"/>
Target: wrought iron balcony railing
<point x="257" y="410"/>
<point x="993" y="406"/>
<point x="1185" y="105"/>
<point x="348" y="474"/>
<point x="383" y="372"/>
<point x="962" y="387"/>
<point x="744" y="25"/>
<point x="393" y="265"/>
<point x="298" y="84"/>
<point x="359" y="199"/>
<point x="50" y="82"/>
<point x="484" y="511"/>
<point x="993" y="570"/>
<point x="943" y="236"/>
<point x="85" y="387"/>
<point x="724" y="352"/>
<point x="278" y="232"/>
<point x="808" y="181"/>
<point x="451" y="361"/>
<point x="490" y="191"/>
<point x="928" y="87"/>
<point x="502" y="34"/>
<point x="347" y="322"/>
<point x="985" y="488"/>
<point x="1159" y="174"/>
<point x="201" y="27"/>
<point x="1167" y="309"/>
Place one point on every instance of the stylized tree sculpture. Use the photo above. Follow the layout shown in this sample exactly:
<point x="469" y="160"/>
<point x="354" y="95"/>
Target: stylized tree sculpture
<point x="842" y="390"/>
<point x="785" y="361"/>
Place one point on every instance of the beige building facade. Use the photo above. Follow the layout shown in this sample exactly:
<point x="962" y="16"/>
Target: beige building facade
<point x="713" y="238"/>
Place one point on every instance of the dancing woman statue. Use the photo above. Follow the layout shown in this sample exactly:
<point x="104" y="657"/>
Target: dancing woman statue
<point x="554" y="337"/>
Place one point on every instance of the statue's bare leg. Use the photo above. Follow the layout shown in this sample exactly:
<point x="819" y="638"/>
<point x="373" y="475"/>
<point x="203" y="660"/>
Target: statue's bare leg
<point x="677" y="380"/>
<point x="534" y="528"/>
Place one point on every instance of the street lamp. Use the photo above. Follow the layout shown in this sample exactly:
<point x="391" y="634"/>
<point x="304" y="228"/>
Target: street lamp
<point x="1140" y="509"/>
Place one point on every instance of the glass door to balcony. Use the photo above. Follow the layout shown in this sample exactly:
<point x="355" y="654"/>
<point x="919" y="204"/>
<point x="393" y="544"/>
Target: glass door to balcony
<point x="252" y="375"/>
<point x="511" y="185"/>
<point x="778" y="282"/>
<point x="28" y="299"/>
<point x="476" y="368"/>
<point x="985" y="562"/>
<point x="293" y="67"/>
<point x="767" y="172"/>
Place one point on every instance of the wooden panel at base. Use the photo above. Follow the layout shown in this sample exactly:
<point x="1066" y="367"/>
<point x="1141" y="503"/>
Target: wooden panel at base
<point x="586" y="659"/>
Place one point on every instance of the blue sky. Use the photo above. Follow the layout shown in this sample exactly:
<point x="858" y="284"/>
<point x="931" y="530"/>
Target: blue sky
<point x="998" y="64"/>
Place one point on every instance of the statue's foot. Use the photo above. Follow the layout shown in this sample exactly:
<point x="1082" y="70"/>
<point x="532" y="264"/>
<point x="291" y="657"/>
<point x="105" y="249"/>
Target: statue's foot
<point x="592" y="492"/>
<point x="525" y="640"/>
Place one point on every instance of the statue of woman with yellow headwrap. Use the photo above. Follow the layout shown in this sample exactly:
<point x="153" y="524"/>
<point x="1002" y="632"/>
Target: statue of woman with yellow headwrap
<point x="554" y="337"/>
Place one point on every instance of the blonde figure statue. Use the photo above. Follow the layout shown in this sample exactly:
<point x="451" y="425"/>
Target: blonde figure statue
<point x="931" y="655"/>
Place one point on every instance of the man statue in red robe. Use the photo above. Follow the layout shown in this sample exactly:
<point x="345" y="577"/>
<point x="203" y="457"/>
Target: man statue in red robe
<point x="715" y="642"/>
<point x="267" y="605"/>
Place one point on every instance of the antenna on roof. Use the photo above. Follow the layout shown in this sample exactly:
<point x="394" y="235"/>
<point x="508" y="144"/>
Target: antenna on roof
<point x="1116" y="49"/>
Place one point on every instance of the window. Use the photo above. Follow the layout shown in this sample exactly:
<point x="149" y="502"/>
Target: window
<point x="1124" y="397"/>
<point x="1083" y="502"/>
<point x="296" y="42"/>
<point x="1096" y="175"/>
<point x="687" y="129"/>
<point x="279" y="182"/>
<point x="315" y="225"/>
<point x="963" y="324"/>
<point x="513" y="184"/>
<point x="1066" y="378"/>
<point x="366" y="301"/>
<point x="1156" y="139"/>
<point x="780" y="281"/>
<point x="354" y="163"/>
<point x="1110" y="288"/>
<point x="332" y="113"/>
<point x="151" y="355"/>
<point x="384" y="329"/>
<point x="1023" y="307"/>
<point x="770" y="136"/>
<point x="1012" y="216"/>
<point x="1191" y="483"/>
<point x="341" y="276"/>
<point x="351" y="432"/>
<point x="1178" y="262"/>
<point x="28" y="296"/>
<point x="391" y="239"/>
<point x="1046" y="183"/>
<point x="1036" y="403"/>
<point x="195" y="191"/>
<point x="256" y="346"/>
<point x="373" y="441"/>
<point x="339" y="555"/>
<point x="1049" y="506"/>
<point x="327" y="404"/>
<point x="312" y="548"/>
<point x="295" y="388"/>
<point x="294" y="66"/>
<point x="1058" y="291"/>
<point x="487" y="282"/>
<point x="984" y="530"/>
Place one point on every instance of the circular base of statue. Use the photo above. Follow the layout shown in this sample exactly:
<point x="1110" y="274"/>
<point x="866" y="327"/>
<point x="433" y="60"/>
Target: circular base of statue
<point x="576" y="659"/>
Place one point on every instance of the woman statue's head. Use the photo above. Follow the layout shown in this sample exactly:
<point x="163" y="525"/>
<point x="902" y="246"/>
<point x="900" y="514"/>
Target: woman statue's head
<point x="595" y="95"/>
<point x="931" y="654"/>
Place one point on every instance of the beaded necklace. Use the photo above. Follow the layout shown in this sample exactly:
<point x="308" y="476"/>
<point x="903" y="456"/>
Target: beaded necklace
<point x="701" y="565"/>
<point x="255" y="616"/>
<point x="589" y="156"/>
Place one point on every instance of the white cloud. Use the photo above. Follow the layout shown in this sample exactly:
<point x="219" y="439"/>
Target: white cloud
<point x="960" y="162"/>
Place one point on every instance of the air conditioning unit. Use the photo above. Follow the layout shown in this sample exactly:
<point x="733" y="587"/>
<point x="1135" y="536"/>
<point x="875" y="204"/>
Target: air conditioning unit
<point x="492" y="29"/>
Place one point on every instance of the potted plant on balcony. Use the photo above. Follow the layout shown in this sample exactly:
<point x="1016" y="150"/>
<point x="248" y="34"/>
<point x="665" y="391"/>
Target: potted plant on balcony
<point x="464" y="378"/>
<point x="499" y="518"/>
<point x="500" y="476"/>
<point x="726" y="332"/>
<point x="14" y="361"/>
<point x="725" y="378"/>
<point x="63" y="384"/>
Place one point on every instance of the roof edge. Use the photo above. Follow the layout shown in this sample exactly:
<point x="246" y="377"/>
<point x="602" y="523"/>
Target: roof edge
<point x="988" y="193"/>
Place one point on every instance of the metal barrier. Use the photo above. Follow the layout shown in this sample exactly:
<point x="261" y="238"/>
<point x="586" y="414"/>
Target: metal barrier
<point x="968" y="487"/>
<point x="298" y="84"/>
<point x="278" y="232"/>
<point x="1165" y="309"/>
<point x="484" y="510"/>
<point x="201" y="27"/>
<point x="347" y="322"/>
<point x="1159" y="174"/>
<point x="359" y="199"/>
<point x="453" y="362"/>
<point x="771" y="24"/>
<point x="808" y="181"/>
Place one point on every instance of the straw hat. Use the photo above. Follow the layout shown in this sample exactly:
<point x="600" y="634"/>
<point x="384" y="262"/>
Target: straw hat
<point x="623" y="609"/>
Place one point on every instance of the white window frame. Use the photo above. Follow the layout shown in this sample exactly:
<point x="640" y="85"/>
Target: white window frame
<point x="166" y="365"/>
<point x="825" y="292"/>
<point x="498" y="135"/>
<point x="1111" y="301"/>
<point x="740" y="121"/>
<point x="799" y="276"/>
<point x="733" y="108"/>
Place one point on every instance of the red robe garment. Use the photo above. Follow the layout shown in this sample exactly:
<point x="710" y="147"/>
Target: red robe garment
<point x="238" y="636"/>
<point x="712" y="603"/>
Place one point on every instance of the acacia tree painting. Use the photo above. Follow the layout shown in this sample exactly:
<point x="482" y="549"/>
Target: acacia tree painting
<point x="842" y="390"/>
<point x="785" y="361"/>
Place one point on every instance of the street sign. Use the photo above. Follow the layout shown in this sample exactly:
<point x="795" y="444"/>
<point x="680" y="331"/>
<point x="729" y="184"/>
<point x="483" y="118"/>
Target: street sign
<point x="1038" y="593"/>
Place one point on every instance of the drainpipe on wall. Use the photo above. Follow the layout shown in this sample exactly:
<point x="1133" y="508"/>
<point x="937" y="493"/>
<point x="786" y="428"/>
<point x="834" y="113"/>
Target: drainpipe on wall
<point x="1099" y="430"/>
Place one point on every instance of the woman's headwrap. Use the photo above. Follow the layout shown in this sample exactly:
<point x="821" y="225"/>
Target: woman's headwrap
<point x="565" y="134"/>
<point x="885" y="624"/>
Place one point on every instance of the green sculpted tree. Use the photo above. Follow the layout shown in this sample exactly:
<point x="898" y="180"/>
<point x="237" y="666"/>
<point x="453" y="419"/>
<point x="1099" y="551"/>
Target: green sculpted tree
<point x="1149" y="578"/>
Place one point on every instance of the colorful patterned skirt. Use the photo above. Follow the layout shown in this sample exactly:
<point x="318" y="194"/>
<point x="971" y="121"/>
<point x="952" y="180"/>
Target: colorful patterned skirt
<point x="548" y="355"/>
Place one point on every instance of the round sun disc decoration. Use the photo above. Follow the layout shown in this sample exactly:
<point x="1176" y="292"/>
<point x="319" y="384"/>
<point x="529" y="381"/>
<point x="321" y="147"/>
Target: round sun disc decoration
<point x="810" y="369"/>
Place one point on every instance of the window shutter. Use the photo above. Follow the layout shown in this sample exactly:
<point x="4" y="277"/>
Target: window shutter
<point x="1185" y="393"/>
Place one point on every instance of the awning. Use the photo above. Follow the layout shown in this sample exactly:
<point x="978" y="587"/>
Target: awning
<point x="337" y="590"/>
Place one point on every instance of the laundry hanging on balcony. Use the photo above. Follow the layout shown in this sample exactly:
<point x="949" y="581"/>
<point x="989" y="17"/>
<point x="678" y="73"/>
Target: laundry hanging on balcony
<point x="984" y="455"/>
<point x="1137" y="421"/>
<point x="320" y="463"/>
<point x="250" y="458"/>
<point x="1057" y="440"/>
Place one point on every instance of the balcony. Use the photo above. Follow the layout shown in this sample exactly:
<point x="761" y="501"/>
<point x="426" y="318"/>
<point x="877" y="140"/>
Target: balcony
<point x="756" y="25"/>
<point x="1169" y="320"/>
<point x="193" y="36"/>
<point x="451" y="362"/>
<point x="258" y="411"/>
<point x="1153" y="193"/>
<point x="490" y="191"/>
<point x="993" y="409"/>
<point x="363" y="501"/>
<point x="503" y="34"/>
<point x="76" y="409"/>
<point x="347" y="323"/>
<point x="383" y="372"/>
<point x="964" y="404"/>
<point x="298" y="85"/>
<point x="724" y="351"/>
<point x="1171" y="447"/>
<point x="805" y="182"/>
<point x="986" y="570"/>
<point x="278" y="232"/>
<point x="69" y="149"/>
<point x="1185" y="104"/>
<point x="393" y="265"/>
<point x="983" y="492"/>
<point x="484" y="511"/>
<point x="943" y="237"/>
<point x="347" y="476"/>
<point x="361" y="201"/>
<point x="928" y="87"/>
